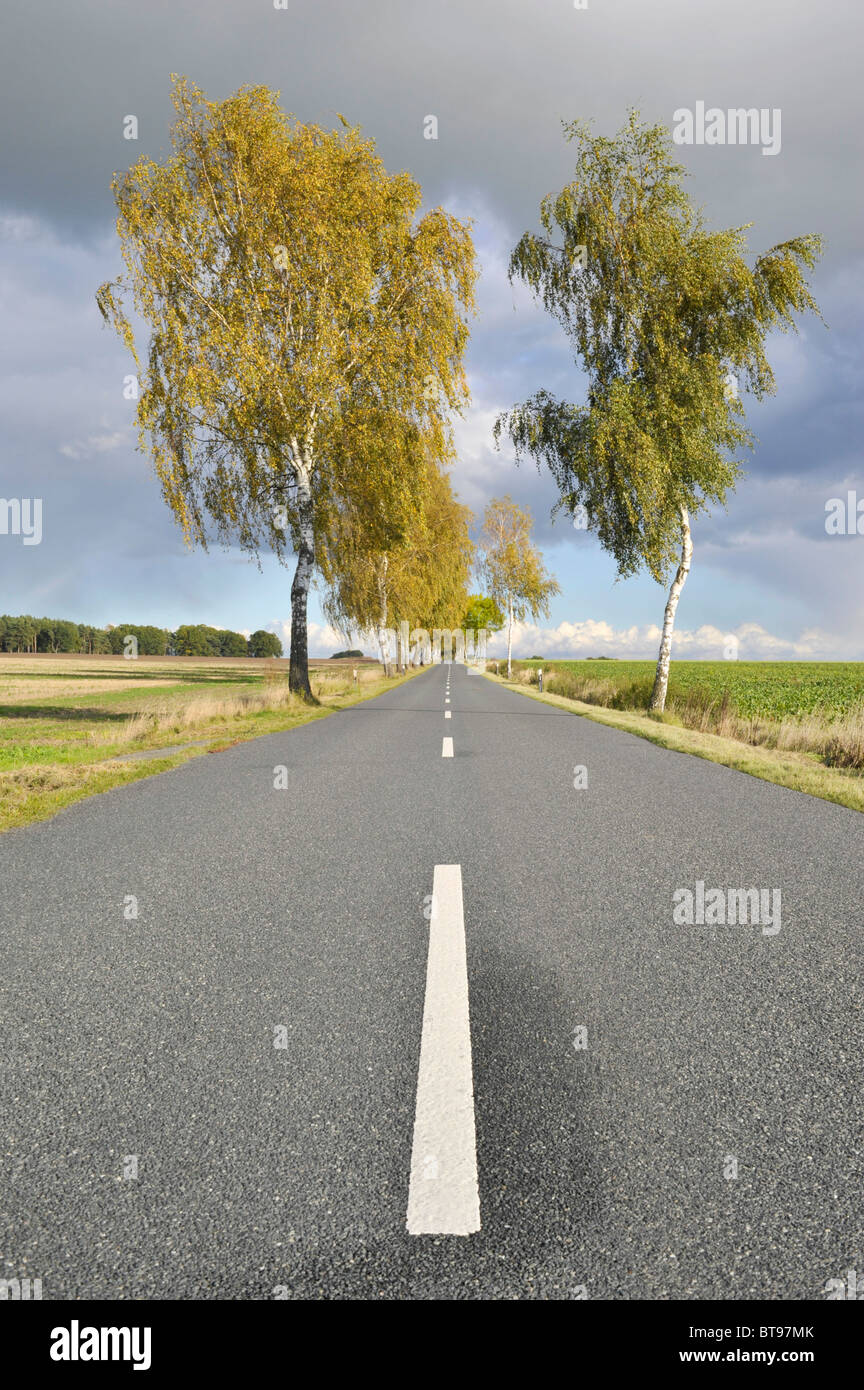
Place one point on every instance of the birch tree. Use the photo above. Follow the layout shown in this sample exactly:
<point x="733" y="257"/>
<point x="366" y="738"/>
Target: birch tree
<point x="666" y="318"/>
<point x="296" y="305"/>
<point x="513" y="566"/>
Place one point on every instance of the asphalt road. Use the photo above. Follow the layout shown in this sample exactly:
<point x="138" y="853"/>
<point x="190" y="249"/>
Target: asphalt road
<point x="252" y="1038"/>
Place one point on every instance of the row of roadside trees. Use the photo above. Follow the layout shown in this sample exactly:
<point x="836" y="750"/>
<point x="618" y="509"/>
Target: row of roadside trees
<point x="305" y="360"/>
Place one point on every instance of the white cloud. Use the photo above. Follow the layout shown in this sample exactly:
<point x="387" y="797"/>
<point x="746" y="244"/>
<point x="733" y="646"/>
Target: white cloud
<point x="18" y="227"/>
<point x="706" y="643"/>
<point x="94" y="444"/>
<point x="322" y="638"/>
<point x="595" y="637"/>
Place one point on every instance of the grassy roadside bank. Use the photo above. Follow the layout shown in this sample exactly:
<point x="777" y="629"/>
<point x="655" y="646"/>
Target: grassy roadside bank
<point x="798" y="770"/>
<point x="69" y="728"/>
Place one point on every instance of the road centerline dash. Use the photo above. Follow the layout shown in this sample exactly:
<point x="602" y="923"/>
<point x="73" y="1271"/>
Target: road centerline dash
<point x="443" y="1196"/>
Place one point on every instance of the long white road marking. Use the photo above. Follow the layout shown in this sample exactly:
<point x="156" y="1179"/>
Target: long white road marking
<point x="447" y="714"/>
<point x="443" y="1198"/>
<point x="447" y="748"/>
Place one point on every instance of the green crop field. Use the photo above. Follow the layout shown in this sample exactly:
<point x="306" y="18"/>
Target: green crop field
<point x="756" y="689"/>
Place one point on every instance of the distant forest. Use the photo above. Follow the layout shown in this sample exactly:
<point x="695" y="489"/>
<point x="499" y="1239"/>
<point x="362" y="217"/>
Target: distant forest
<point x="28" y="634"/>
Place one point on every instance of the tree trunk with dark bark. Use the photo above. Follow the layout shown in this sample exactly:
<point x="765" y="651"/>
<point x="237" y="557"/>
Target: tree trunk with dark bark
<point x="298" y="670"/>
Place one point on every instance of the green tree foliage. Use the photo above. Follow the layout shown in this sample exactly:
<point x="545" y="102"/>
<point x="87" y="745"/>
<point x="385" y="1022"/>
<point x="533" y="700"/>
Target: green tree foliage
<point x="95" y="641"/>
<point x="152" y="641"/>
<point x="666" y="318"/>
<point x="18" y="634"/>
<point x="26" y="634"/>
<point x="196" y="639"/>
<point x="482" y="612"/>
<point x="57" y="635"/>
<point x="232" y="643"/>
<point x="263" y="643"/>
<point x="298" y="309"/>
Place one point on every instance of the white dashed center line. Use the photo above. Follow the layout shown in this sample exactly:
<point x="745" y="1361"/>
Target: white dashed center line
<point x="447" y="748"/>
<point x="443" y="1197"/>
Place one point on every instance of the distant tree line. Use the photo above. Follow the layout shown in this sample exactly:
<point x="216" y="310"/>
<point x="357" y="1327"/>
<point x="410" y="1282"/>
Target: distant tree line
<point x="28" y="634"/>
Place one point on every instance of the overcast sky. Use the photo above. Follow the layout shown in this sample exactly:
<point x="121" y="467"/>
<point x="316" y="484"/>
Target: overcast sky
<point x="499" y="77"/>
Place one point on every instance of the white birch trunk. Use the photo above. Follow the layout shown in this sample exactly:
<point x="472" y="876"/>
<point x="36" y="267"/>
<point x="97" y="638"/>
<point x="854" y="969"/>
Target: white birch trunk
<point x="383" y="643"/>
<point x="509" y="637"/>
<point x="661" y="679"/>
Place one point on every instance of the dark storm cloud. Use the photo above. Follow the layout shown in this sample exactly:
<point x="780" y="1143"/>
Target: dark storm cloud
<point x="499" y="74"/>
